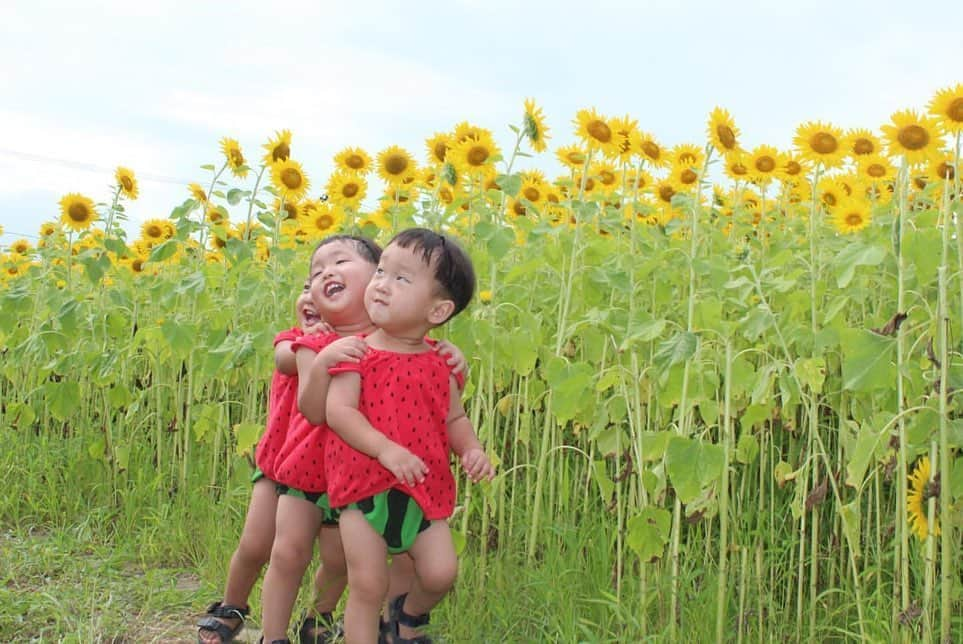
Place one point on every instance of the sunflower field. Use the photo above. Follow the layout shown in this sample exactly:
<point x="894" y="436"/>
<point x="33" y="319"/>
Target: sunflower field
<point x="718" y="380"/>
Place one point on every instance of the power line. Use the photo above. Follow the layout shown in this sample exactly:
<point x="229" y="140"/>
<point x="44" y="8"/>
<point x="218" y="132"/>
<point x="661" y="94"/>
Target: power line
<point x="88" y="167"/>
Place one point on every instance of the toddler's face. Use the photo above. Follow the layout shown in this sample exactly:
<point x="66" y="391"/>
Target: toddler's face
<point x="339" y="275"/>
<point x="403" y="289"/>
<point x="304" y="308"/>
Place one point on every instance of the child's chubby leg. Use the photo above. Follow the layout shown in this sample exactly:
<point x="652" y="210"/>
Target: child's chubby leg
<point x="436" y="568"/>
<point x="298" y="521"/>
<point x="253" y="551"/>
<point x="329" y="581"/>
<point x="366" y="554"/>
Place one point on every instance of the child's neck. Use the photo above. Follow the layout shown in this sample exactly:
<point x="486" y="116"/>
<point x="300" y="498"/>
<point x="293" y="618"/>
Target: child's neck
<point x="354" y="328"/>
<point x="399" y="342"/>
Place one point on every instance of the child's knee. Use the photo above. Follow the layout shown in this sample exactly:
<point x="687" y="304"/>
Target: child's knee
<point x="369" y="586"/>
<point x="254" y="549"/>
<point x="438" y="576"/>
<point x="288" y="554"/>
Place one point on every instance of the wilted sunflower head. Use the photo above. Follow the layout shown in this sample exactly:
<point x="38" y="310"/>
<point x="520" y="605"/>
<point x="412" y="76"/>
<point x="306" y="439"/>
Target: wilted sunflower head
<point x="126" y="182"/>
<point x="354" y="160"/>
<point x="913" y="136"/>
<point x="278" y="148"/>
<point x="197" y="192"/>
<point x="216" y="215"/>
<point x="289" y="179"/>
<point x="820" y="143"/>
<point x="947" y="107"/>
<point x="534" y="127"/>
<point x="723" y="133"/>
<point x="77" y="211"/>
<point x="234" y="157"/>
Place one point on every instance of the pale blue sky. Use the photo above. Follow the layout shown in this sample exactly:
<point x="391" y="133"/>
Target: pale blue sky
<point x="87" y="86"/>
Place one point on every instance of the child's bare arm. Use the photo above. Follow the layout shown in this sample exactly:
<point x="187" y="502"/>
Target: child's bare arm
<point x="313" y="377"/>
<point x="284" y="358"/>
<point x="464" y="442"/>
<point x="347" y="421"/>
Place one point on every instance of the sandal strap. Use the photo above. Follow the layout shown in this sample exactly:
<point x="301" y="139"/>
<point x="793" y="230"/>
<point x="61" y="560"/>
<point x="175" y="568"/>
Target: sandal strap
<point x="224" y="632"/>
<point x="227" y="611"/>
<point x="406" y="619"/>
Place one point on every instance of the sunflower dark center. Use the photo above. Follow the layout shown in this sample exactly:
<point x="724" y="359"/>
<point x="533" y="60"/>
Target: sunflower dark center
<point x="396" y="164"/>
<point x="477" y="155"/>
<point x="599" y="131"/>
<point x="78" y="212"/>
<point x="863" y="146"/>
<point x="607" y="178"/>
<point x="854" y="219"/>
<point x="919" y="182"/>
<point x="687" y="176"/>
<point x="823" y="143"/>
<point x="237" y="159"/>
<point x="440" y="150"/>
<point x="945" y="170"/>
<point x="291" y="178"/>
<point x="829" y="199"/>
<point x="651" y="150"/>
<point x="354" y="161"/>
<point x="876" y="170"/>
<point x="281" y="152"/>
<point x="726" y="136"/>
<point x="913" y="137"/>
<point x="324" y="222"/>
<point x="291" y="210"/>
<point x="350" y="190"/>
<point x="154" y="231"/>
<point x="531" y="193"/>
<point x="665" y="193"/>
<point x="738" y="169"/>
<point x="589" y="184"/>
<point x="793" y="168"/>
<point x="765" y="164"/>
<point x="576" y="157"/>
<point x="127" y="182"/>
<point x="518" y="208"/>
<point x="955" y="110"/>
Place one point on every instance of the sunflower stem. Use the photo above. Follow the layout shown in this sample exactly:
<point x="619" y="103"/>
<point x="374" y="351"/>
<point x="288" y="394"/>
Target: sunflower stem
<point x="250" y="204"/>
<point x="903" y="559"/>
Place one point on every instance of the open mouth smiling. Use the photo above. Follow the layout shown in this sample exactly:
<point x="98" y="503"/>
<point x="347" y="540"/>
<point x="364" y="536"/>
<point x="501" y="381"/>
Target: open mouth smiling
<point x="332" y="288"/>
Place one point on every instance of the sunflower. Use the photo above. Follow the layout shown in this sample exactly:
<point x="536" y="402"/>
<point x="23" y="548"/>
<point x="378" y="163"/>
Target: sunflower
<point x="737" y="165"/>
<point x="792" y="169"/>
<point x="723" y="133"/>
<point x="291" y="208"/>
<point x="77" y="211"/>
<point x="394" y="165"/>
<point x="606" y="175"/>
<point x="830" y="192"/>
<point x="596" y="132"/>
<point x="473" y="155"/>
<point x="324" y="221"/>
<point x="534" y="191"/>
<point x="378" y="220"/>
<point x="947" y="106"/>
<point x="533" y="126"/>
<point x="234" y="157"/>
<point x="688" y="155"/>
<point x="126" y="182"/>
<point x="20" y="247"/>
<point x="764" y="163"/>
<point x="216" y="215"/>
<point x="820" y="143"/>
<point x="197" y="192"/>
<point x="650" y="149"/>
<point x="638" y="181"/>
<point x="917" y="499"/>
<point x="626" y="128"/>
<point x="683" y="178"/>
<point x="941" y="168"/>
<point x="664" y="190"/>
<point x="571" y="156"/>
<point x="155" y="231"/>
<point x="464" y="130"/>
<point x="289" y="179"/>
<point x="354" y="160"/>
<point x="875" y="167"/>
<point x="278" y="148"/>
<point x="346" y="189"/>
<point x="47" y="229"/>
<point x="912" y="135"/>
<point x="851" y="215"/>
<point x="860" y="142"/>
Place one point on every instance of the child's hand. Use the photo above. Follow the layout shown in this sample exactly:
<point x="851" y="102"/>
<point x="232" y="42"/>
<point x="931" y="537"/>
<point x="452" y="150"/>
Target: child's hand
<point x="347" y="349"/>
<point x="476" y="465"/>
<point x="320" y="326"/>
<point x="456" y="359"/>
<point x="407" y="468"/>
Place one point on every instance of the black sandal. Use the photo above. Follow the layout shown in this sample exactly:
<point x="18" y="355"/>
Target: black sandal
<point x="223" y="611"/>
<point x="397" y="616"/>
<point x="318" y="630"/>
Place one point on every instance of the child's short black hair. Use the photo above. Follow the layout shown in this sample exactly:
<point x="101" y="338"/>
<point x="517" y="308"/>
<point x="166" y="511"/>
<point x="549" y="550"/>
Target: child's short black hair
<point x="453" y="267"/>
<point x="367" y="248"/>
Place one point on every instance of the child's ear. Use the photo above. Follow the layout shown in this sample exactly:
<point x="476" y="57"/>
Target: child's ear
<point x="440" y="311"/>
